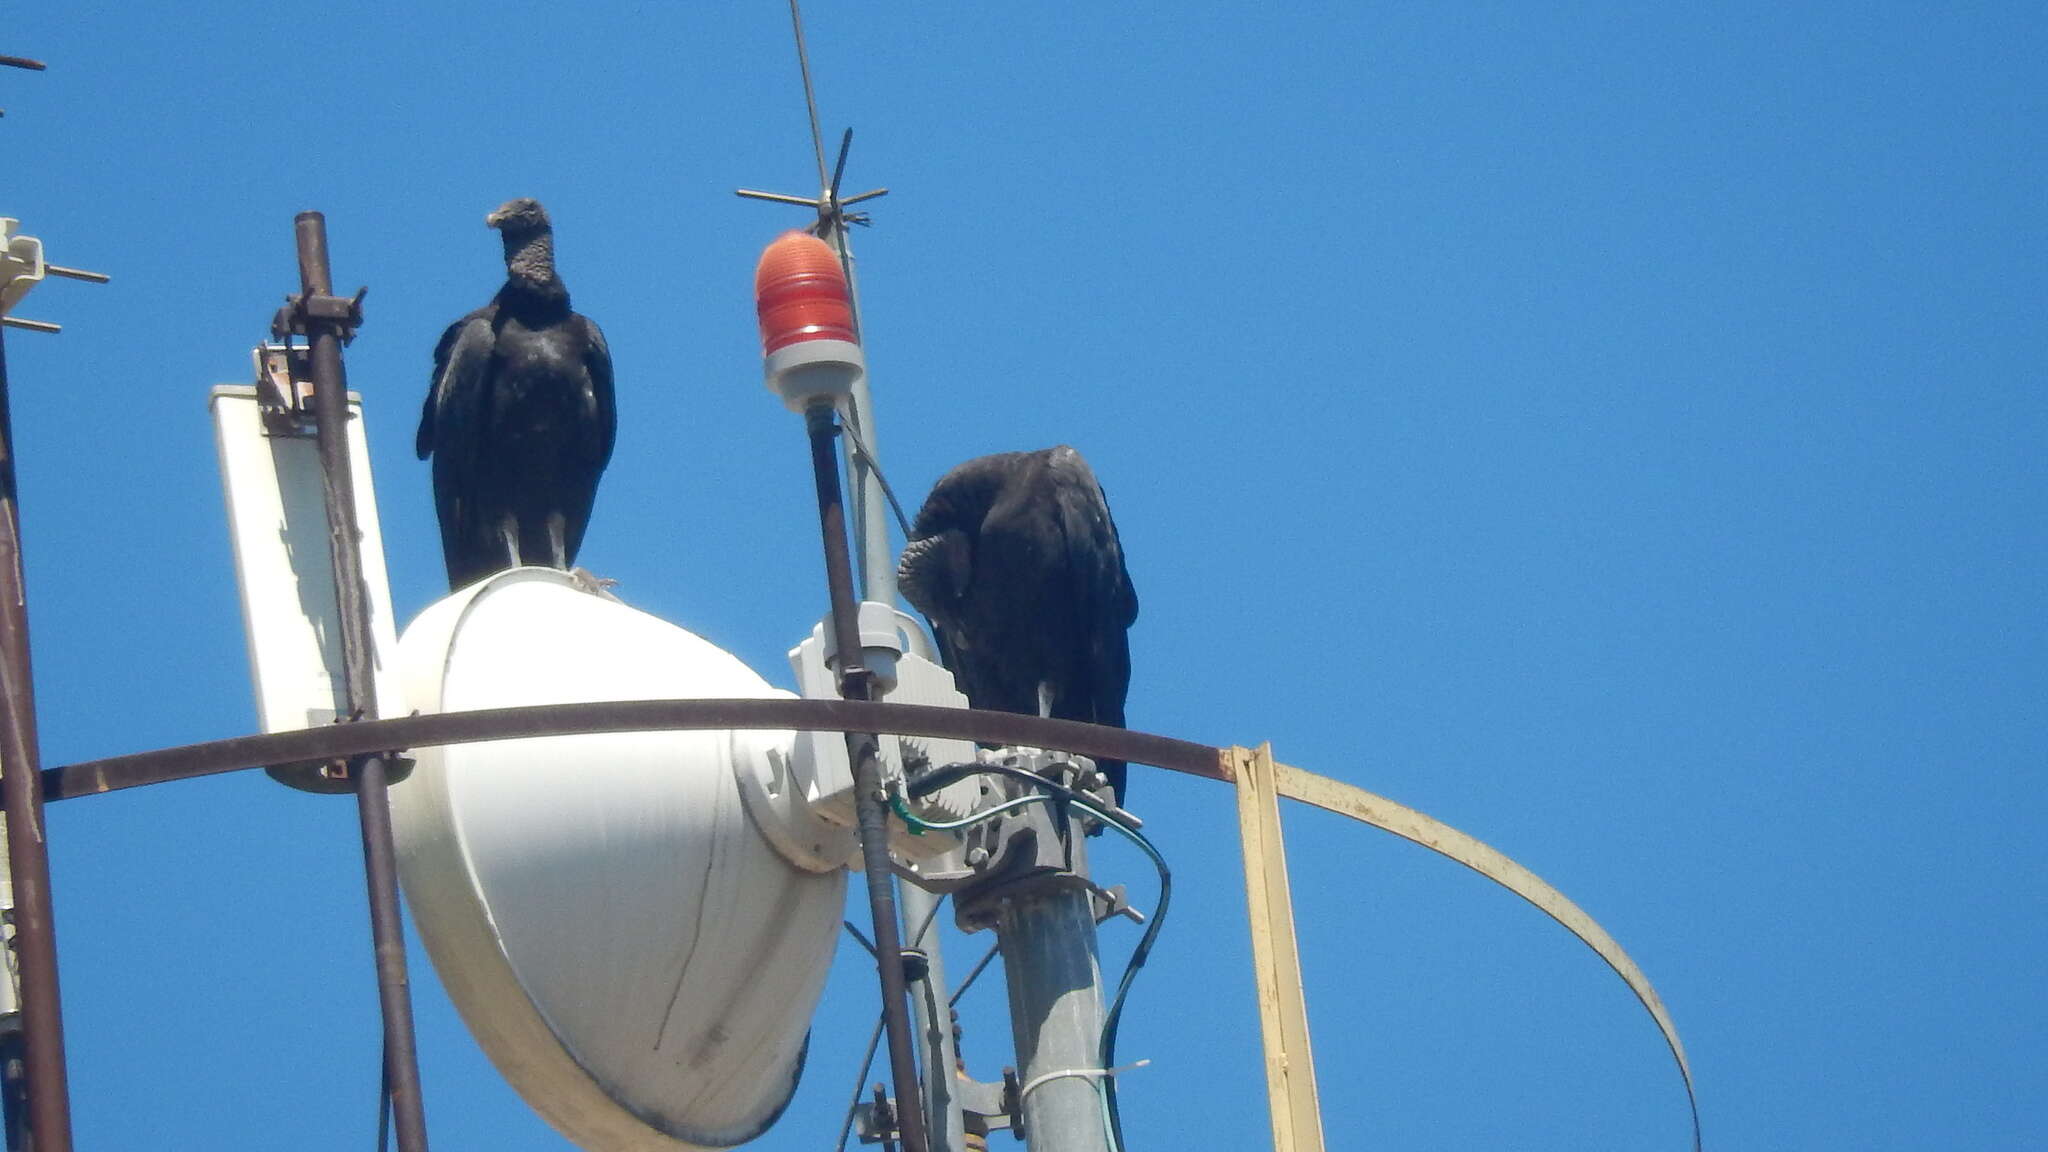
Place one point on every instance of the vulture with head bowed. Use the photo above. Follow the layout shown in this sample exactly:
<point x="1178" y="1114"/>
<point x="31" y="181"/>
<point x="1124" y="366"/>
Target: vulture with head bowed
<point x="520" y="419"/>
<point x="1016" y="562"/>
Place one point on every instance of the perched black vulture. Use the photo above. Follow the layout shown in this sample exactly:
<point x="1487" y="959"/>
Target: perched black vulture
<point x="1015" y="560"/>
<point x="520" y="419"/>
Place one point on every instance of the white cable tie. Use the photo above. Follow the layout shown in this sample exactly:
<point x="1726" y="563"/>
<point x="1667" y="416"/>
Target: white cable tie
<point x="1086" y="1073"/>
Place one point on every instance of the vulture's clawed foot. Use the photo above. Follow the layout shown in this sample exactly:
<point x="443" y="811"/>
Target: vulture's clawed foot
<point x="594" y="584"/>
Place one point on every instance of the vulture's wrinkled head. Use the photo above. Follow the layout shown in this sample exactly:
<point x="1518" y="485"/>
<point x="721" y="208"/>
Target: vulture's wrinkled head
<point x="934" y="574"/>
<point x="521" y="216"/>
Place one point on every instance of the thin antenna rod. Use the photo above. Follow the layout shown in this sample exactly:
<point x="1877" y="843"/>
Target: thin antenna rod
<point x="38" y="66"/>
<point x="803" y="62"/>
<point x="839" y="169"/>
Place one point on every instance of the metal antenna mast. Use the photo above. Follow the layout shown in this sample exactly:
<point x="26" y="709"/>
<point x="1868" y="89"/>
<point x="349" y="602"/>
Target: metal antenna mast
<point x="937" y="1109"/>
<point x="33" y="1081"/>
<point x="326" y="322"/>
<point x="1046" y="930"/>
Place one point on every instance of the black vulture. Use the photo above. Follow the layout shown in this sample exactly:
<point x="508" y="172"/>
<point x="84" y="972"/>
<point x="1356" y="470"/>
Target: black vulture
<point x="1016" y="562"/>
<point x="520" y="418"/>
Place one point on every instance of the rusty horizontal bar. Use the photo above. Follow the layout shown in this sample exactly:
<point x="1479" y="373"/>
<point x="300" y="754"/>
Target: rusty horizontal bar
<point x="777" y="197"/>
<point x="341" y="741"/>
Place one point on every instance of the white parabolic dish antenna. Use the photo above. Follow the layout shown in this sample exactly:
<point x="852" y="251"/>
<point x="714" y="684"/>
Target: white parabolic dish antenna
<point x="636" y="959"/>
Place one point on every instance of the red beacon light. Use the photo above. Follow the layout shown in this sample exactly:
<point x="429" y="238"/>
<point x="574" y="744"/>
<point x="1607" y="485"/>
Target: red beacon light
<point x="800" y="293"/>
<point x="811" y="352"/>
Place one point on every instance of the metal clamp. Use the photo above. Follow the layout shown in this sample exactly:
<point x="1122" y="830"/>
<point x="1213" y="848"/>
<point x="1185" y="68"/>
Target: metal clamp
<point x="22" y="267"/>
<point x="985" y="1108"/>
<point x="303" y="313"/>
<point x="1031" y="846"/>
<point x="874" y="1119"/>
<point x="284" y="389"/>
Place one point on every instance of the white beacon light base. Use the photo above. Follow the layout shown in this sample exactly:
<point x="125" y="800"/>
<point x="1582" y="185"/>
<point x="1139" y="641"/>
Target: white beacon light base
<point x="808" y="371"/>
<point x="637" y="960"/>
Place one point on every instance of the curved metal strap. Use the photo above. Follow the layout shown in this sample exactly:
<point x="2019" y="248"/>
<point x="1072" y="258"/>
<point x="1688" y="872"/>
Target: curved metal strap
<point x="340" y="741"/>
<point x="344" y="740"/>
<point x="1405" y="822"/>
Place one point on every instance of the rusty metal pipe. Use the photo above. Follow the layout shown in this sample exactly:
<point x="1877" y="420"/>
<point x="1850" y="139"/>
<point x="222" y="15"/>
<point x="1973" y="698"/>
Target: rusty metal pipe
<point x="373" y="802"/>
<point x="330" y="409"/>
<point x="35" y="932"/>
<point x="869" y="813"/>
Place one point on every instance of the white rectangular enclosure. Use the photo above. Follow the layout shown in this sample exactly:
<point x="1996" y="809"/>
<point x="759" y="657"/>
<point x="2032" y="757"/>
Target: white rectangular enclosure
<point x="277" y="518"/>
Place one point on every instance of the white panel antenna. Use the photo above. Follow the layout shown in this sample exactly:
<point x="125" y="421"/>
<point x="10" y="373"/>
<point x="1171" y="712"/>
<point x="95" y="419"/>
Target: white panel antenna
<point x="277" y="520"/>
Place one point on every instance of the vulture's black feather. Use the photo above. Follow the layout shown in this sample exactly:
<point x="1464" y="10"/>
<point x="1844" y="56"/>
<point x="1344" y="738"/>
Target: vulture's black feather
<point x="1016" y="562"/>
<point x="520" y="419"/>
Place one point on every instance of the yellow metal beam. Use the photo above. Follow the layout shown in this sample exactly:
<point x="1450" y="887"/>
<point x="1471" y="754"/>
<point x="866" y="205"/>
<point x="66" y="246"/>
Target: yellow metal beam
<point x="1276" y="964"/>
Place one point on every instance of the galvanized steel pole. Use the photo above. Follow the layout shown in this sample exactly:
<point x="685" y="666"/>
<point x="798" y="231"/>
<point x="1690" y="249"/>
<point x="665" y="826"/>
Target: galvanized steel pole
<point x="948" y="1123"/>
<point x="863" y="467"/>
<point x="323" y="325"/>
<point x="1048" y="937"/>
<point x="35" y="933"/>
<point x="1047" y="933"/>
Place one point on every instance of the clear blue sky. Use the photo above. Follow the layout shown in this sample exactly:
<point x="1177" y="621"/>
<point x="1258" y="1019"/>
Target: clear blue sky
<point x="1617" y="432"/>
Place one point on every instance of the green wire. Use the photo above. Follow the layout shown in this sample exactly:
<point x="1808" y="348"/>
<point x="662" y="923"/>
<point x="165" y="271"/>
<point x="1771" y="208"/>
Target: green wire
<point x="919" y="826"/>
<point x="1104" y="1090"/>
